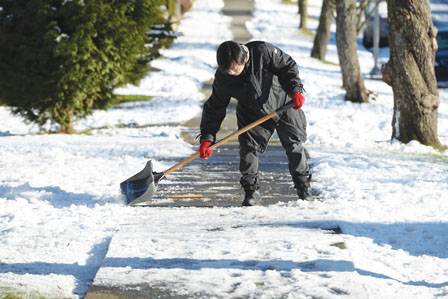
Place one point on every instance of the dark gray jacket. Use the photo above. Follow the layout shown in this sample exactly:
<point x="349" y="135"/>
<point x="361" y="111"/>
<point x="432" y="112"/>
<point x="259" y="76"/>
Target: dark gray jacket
<point x="269" y="76"/>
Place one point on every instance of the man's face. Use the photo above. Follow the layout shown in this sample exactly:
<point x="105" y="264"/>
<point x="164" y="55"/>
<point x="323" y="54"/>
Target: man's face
<point x="236" y="69"/>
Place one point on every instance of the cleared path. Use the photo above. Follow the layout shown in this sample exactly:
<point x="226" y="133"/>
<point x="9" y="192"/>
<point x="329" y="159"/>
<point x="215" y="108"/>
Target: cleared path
<point x="210" y="183"/>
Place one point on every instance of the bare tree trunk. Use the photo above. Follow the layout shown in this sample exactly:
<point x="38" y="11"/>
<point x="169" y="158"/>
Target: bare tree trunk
<point x="303" y="11"/>
<point x="347" y="51"/>
<point x="410" y="71"/>
<point x="323" y="31"/>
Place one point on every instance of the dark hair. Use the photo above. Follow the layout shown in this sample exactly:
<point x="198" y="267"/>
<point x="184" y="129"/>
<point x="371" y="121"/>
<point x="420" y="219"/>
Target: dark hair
<point x="227" y="52"/>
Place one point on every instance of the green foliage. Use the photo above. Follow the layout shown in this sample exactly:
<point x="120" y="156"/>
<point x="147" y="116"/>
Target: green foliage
<point x="61" y="59"/>
<point x="171" y="5"/>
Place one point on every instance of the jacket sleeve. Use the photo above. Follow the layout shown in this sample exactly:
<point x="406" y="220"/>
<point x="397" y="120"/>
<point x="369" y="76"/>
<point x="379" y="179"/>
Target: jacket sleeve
<point x="286" y="69"/>
<point x="214" y="109"/>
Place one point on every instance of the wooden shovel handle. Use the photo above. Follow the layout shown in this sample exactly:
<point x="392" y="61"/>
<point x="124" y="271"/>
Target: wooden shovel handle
<point x="232" y="136"/>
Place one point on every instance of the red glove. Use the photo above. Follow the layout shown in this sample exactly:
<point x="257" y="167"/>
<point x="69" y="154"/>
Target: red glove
<point x="298" y="100"/>
<point x="204" y="152"/>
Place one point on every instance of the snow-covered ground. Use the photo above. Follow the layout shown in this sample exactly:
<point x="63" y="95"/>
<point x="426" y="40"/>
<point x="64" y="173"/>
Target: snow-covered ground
<point x="61" y="209"/>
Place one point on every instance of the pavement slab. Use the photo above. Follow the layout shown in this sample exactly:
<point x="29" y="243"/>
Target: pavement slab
<point x="147" y="258"/>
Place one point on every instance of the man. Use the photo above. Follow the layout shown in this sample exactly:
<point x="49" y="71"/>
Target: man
<point x="262" y="78"/>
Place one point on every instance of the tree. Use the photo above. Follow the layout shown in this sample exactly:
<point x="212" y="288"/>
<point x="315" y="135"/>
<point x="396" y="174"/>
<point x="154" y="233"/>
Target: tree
<point x="364" y="13"/>
<point x="410" y="71"/>
<point x="303" y="12"/>
<point x="326" y="18"/>
<point x="347" y="51"/>
<point x="61" y="59"/>
<point x="323" y="30"/>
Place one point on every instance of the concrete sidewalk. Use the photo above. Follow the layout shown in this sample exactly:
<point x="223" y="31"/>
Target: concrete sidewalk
<point x="214" y="182"/>
<point x="321" y="268"/>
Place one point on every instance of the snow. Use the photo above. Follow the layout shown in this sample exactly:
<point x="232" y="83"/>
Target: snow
<point x="62" y="216"/>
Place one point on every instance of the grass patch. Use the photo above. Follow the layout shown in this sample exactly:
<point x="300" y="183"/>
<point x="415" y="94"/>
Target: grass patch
<point x="329" y="62"/>
<point x="119" y="99"/>
<point x="88" y="132"/>
<point x="8" y="293"/>
<point x="430" y="157"/>
<point x="436" y="157"/>
<point x="307" y="32"/>
<point x="290" y="2"/>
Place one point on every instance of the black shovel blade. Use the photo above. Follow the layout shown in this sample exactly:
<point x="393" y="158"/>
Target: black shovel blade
<point x="141" y="187"/>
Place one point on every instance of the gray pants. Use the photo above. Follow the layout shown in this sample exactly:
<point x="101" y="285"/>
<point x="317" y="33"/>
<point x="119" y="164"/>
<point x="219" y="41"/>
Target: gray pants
<point x="291" y="130"/>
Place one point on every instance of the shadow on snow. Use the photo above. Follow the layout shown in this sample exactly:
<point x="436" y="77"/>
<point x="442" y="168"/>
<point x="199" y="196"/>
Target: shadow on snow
<point x="54" y="195"/>
<point x="415" y="238"/>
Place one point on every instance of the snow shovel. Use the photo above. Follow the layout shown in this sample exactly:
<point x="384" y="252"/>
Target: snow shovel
<point x="142" y="186"/>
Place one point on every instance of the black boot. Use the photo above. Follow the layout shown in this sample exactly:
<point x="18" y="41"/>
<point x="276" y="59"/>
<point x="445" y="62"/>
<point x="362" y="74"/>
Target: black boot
<point x="303" y="190"/>
<point x="252" y="198"/>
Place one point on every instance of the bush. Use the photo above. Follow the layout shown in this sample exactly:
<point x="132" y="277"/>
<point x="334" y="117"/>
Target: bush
<point x="61" y="59"/>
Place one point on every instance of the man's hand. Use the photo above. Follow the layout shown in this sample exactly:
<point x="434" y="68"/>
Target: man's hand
<point x="204" y="152"/>
<point x="298" y="100"/>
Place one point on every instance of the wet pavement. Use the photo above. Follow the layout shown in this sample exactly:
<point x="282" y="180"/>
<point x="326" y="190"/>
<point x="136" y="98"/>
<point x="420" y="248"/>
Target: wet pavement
<point x="215" y="181"/>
